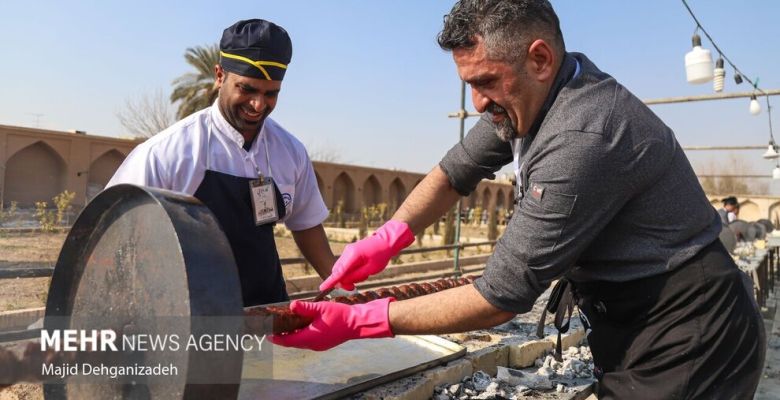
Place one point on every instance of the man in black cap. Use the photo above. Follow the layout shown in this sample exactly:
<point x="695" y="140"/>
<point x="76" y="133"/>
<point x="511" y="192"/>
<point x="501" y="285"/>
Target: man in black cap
<point x="245" y="167"/>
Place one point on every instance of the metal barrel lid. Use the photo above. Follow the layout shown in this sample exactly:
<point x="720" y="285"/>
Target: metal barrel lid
<point x="149" y="261"/>
<point x="760" y="230"/>
<point x="743" y="230"/>
<point x="767" y="224"/>
<point x="728" y="238"/>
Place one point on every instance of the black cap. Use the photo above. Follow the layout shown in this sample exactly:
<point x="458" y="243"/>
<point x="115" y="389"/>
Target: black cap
<point x="255" y="48"/>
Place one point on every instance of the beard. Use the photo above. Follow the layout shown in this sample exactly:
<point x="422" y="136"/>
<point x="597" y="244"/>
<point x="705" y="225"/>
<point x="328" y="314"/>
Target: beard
<point x="504" y="130"/>
<point x="234" y="117"/>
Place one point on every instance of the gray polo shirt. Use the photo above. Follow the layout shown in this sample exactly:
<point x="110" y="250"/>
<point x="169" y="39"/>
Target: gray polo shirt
<point x="608" y="193"/>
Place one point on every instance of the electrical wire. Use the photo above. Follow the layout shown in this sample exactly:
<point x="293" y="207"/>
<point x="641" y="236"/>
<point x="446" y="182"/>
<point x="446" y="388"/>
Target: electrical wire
<point x="734" y="66"/>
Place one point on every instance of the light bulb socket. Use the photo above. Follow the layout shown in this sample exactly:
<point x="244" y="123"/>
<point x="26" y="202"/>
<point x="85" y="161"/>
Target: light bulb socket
<point x="696" y="40"/>
<point x="771" y="151"/>
<point x="753" y="97"/>
<point x="719" y="63"/>
<point x="737" y="78"/>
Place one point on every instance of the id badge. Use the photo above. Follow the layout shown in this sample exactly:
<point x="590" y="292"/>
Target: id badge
<point x="263" y="201"/>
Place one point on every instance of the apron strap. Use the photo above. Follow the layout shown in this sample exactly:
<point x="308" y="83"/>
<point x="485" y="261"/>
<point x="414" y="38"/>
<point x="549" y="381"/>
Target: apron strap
<point x="560" y="303"/>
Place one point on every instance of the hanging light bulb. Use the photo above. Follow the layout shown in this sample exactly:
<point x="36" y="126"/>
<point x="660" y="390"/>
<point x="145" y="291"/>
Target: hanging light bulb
<point x="698" y="63"/>
<point x="755" y="107"/>
<point x="771" y="153"/>
<point x="776" y="172"/>
<point x="719" y="75"/>
<point x="737" y="78"/>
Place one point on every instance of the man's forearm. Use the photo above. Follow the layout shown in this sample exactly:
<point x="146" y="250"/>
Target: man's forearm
<point x="432" y="197"/>
<point x="315" y="248"/>
<point x="455" y="310"/>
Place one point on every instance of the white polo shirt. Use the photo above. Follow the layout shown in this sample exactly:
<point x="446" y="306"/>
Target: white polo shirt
<point x="178" y="157"/>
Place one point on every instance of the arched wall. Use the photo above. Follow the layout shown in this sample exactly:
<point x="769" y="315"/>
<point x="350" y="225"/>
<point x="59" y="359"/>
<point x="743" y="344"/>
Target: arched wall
<point x="749" y="211"/>
<point x="101" y="170"/>
<point x="774" y="214"/>
<point x="500" y="200"/>
<point x="83" y="163"/>
<point x="32" y="174"/>
<point x="397" y="194"/>
<point x="320" y="185"/>
<point x="372" y="192"/>
<point x="40" y="152"/>
<point x="486" y="202"/>
<point x="344" y="191"/>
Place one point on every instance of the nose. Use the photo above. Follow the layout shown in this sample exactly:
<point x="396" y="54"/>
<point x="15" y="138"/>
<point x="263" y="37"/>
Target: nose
<point x="258" y="103"/>
<point x="480" y="101"/>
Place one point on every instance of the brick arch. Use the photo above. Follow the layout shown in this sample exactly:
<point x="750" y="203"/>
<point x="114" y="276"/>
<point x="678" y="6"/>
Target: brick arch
<point x="36" y="163"/>
<point x="485" y="200"/>
<point x="372" y="191"/>
<point x="320" y="185"/>
<point x="471" y="201"/>
<point x="749" y="211"/>
<point x="774" y="214"/>
<point x="500" y="200"/>
<point x="397" y="194"/>
<point x="100" y="151"/>
<point x="101" y="170"/>
<point x="344" y="191"/>
<point x="58" y="147"/>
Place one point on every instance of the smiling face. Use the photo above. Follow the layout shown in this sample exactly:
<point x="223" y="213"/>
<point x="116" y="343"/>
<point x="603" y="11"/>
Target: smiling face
<point x="246" y="102"/>
<point x="513" y="93"/>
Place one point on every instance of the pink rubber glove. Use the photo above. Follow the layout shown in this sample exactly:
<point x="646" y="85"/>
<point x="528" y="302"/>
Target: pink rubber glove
<point x="335" y="323"/>
<point x="369" y="256"/>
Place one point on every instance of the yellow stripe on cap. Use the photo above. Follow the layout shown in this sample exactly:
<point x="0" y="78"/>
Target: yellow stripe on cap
<point x="258" y="64"/>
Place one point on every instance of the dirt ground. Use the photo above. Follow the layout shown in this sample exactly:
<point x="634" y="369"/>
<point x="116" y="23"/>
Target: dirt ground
<point x="16" y="294"/>
<point x="22" y="392"/>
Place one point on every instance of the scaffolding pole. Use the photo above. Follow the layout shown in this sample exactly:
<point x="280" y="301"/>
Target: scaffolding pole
<point x="462" y="115"/>
<point x="670" y="100"/>
<point x="706" y="97"/>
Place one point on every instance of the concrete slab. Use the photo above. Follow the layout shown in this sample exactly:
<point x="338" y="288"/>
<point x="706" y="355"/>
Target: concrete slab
<point x="489" y="359"/>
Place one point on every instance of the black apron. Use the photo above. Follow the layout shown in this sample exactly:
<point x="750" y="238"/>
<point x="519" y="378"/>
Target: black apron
<point x="691" y="333"/>
<point x="253" y="246"/>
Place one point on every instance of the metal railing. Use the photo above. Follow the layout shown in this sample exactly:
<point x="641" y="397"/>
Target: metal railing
<point x="461" y="246"/>
<point x="42" y="269"/>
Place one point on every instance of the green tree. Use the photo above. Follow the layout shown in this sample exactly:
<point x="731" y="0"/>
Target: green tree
<point x="196" y="90"/>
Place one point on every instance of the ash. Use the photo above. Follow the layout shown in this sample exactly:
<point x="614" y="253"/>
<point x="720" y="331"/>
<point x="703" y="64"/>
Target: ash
<point x="548" y="379"/>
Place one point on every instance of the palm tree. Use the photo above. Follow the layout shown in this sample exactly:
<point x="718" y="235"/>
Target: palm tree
<point x="196" y="90"/>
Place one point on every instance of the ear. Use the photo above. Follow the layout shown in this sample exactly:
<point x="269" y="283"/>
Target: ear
<point x="219" y="75"/>
<point x="541" y="60"/>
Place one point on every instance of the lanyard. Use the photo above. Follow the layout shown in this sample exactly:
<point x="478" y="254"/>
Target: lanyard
<point x="518" y="166"/>
<point x="267" y="157"/>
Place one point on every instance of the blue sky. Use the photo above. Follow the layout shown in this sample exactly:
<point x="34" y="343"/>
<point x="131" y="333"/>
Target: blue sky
<point x="367" y="80"/>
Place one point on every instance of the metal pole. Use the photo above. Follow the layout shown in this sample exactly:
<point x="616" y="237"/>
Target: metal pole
<point x="683" y="99"/>
<point x="463" y="116"/>
<point x="720" y="96"/>
<point x="733" y="176"/>
<point x="692" y="148"/>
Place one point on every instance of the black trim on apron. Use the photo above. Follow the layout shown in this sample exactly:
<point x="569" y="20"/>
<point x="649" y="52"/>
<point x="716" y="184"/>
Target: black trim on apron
<point x="254" y="247"/>
<point x="692" y="333"/>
